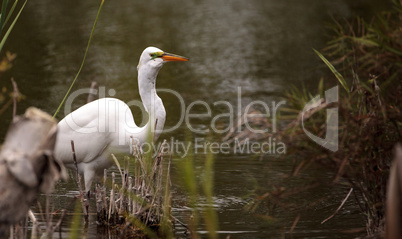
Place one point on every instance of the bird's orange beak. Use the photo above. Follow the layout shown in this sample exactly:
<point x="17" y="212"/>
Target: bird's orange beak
<point x="172" y="57"/>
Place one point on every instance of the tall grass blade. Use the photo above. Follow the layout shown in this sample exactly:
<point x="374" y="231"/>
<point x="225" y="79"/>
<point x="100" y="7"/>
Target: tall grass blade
<point x="334" y="71"/>
<point x="393" y="50"/>
<point x="76" y="223"/>
<point x="83" y="61"/>
<point x="11" y="12"/>
<point x="210" y="215"/>
<point x="364" y="41"/>
<point x="166" y="225"/>
<point x="189" y="180"/>
<point x="3" y="41"/>
<point x="188" y="171"/>
<point x="3" y="13"/>
<point x="321" y="86"/>
<point x="384" y="86"/>
<point x="148" y="232"/>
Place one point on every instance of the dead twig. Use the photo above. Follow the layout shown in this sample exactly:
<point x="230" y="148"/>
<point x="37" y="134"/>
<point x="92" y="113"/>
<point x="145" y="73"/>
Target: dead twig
<point x="295" y="223"/>
<point x="58" y="225"/>
<point x="118" y="165"/>
<point x="35" y="225"/>
<point x="16" y="95"/>
<point x="181" y="223"/>
<point x="83" y="200"/>
<point x="92" y="92"/>
<point x="339" y="208"/>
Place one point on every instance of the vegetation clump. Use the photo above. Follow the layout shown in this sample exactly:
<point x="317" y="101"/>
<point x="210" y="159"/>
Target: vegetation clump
<point x="369" y="55"/>
<point x="141" y="205"/>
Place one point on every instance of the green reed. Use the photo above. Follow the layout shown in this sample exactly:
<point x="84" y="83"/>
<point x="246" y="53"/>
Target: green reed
<point x="82" y="63"/>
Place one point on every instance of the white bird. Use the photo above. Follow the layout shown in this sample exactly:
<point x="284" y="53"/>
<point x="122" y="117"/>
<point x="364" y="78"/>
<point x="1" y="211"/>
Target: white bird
<point x="104" y="126"/>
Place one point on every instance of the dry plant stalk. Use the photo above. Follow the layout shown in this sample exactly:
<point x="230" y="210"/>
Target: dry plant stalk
<point x="92" y="92"/>
<point x="339" y="208"/>
<point x="84" y="201"/>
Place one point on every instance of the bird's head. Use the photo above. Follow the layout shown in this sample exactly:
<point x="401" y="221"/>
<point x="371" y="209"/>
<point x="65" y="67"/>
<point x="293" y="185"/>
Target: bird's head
<point x="155" y="58"/>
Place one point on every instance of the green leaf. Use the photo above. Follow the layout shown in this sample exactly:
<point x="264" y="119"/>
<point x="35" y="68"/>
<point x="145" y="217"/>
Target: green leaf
<point x="3" y="13"/>
<point x="3" y="41"/>
<point x="284" y="109"/>
<point x="365" y="42"/>
<point x="210" y="215"/>
<point x="393" y="50"/>
<point x="334" y="71"/>
<point x="82" y="63"/>
<point x="321" y="86"/>
<point x="10" y="12"/>
<point x="384" y="86"/>
<point x="367" y="87"/>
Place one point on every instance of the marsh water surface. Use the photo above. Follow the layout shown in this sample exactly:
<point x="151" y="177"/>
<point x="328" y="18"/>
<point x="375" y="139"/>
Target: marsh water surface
<point x="263" y="47"/>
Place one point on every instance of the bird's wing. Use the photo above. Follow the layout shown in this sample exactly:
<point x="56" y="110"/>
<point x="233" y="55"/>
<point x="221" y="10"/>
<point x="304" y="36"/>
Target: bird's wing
<point x="93" y="128"/>
<point x="88" y="146"/>
<point x="86" y="126"/>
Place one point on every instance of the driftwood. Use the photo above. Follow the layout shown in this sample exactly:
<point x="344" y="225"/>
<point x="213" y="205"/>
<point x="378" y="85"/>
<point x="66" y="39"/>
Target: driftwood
<point x="394" y="198"/>
<point x="27" y="166"/>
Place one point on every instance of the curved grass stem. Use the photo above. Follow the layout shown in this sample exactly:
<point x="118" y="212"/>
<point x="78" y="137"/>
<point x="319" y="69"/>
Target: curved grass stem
<point x="83" y="61"/>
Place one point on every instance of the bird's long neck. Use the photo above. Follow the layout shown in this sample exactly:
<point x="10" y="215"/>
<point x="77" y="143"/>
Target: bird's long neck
<point x="151" y="101"/>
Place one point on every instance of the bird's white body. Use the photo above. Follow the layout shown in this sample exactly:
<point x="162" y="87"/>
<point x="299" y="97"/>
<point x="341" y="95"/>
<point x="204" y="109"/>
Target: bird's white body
<point x="106" y="126"/>
<point x="98" y="128"/>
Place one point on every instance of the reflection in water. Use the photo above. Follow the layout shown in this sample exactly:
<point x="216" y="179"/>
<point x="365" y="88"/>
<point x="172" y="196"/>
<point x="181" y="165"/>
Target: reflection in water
<point x="263" y="46"/>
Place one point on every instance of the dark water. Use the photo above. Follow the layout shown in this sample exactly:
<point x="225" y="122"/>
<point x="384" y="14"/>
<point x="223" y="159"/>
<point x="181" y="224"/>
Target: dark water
<point x="261" y="46"/>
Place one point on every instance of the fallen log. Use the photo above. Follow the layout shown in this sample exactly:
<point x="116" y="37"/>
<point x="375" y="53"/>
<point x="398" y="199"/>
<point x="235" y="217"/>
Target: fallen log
<point x="27" y="166"/>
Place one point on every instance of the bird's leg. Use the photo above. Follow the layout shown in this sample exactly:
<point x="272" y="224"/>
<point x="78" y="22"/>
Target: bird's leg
<point x="89" y="176"/>
<point x="86" y="205"/>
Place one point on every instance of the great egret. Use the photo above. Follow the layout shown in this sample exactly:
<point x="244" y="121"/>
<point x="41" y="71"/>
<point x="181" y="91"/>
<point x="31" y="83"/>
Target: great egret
<point x="107" y="125"/>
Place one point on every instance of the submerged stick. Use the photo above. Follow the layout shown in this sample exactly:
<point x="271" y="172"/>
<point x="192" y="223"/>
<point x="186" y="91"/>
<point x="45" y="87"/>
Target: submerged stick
<point x="295" y="223"/>
<point x="58" y="224"/>
<point x="180" y="222"/>
<point x="35" y="225"/>
<point x="339" y="208"/>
